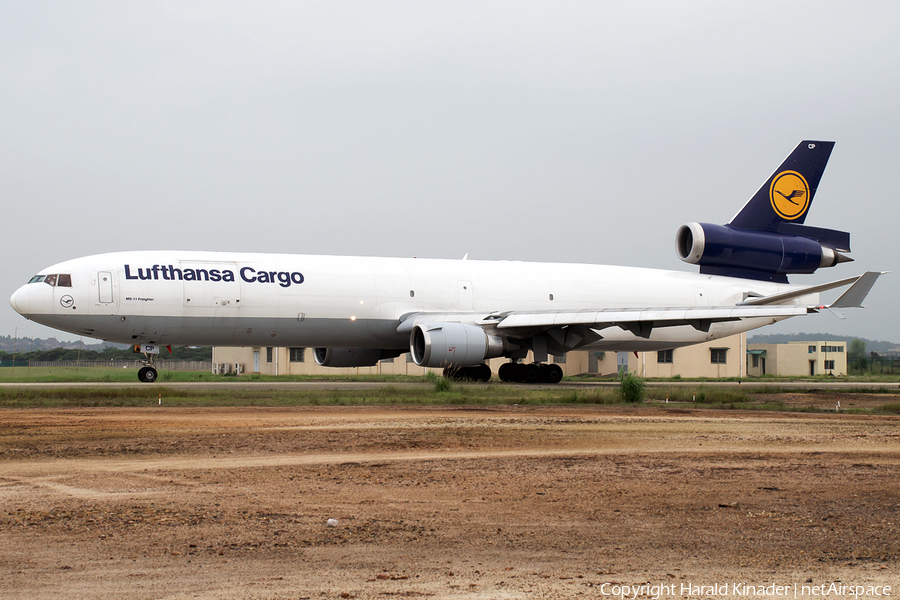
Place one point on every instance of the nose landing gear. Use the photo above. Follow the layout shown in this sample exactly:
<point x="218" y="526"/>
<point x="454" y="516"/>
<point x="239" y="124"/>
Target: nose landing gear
<point x="147" y="374"/>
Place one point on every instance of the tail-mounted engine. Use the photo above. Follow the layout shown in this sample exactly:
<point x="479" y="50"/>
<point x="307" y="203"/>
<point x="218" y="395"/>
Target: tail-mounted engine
<point x="728" y="250"/>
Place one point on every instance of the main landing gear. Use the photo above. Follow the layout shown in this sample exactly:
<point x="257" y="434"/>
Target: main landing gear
<point x="510" y="372"/>
<point x="530" y="373"/>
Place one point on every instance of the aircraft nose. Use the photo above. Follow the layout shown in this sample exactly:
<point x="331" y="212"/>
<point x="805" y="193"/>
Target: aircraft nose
<point x="21" y="300"/>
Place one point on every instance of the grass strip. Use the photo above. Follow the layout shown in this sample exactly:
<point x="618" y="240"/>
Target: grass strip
<point x="439" y="394"/>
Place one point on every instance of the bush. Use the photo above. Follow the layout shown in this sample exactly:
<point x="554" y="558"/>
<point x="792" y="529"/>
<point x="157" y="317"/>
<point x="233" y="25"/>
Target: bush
<point x="441" y="384"/>
<point x="631" y="387"/>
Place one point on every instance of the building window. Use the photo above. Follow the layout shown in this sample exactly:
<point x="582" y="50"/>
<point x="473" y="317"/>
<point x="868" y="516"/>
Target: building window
<point x="560" y="360"/>
<point x="812" y="349"/>
<point x="268" y="355"/>
<point x="829" y="365"/>
<point x="717" y="355"/>
<point x="832" y="348"/>
<point x="756" y="361"/>
<point x="387" y="360"/>
<point x="664" y="356"/>
<point x="298" y="355"/>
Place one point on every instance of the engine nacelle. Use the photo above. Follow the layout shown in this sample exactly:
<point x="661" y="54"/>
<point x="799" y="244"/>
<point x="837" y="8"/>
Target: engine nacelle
<point x="352" y="357"/>
<point x="719" y="249"/>
<point x="452" y="345"/>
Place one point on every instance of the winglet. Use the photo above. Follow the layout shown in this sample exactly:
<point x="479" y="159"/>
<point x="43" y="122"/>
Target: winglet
<point x="857" y="292"/>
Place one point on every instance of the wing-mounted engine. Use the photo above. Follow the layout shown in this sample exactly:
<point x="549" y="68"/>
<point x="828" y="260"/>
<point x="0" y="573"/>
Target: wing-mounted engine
<point x="352" y="357"/>
<point x="441" y="344"/>
<point x="727" y="250"/>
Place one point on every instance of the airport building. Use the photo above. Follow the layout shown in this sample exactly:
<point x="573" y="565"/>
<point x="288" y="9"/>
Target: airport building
<point x="723" y="358"/>
<point x="300" y="361"/>
<point x="715" y="360"/>
<point x="798" y="359"/>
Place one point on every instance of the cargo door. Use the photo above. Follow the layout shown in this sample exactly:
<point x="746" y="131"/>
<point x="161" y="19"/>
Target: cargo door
<point x="210" y="285"/>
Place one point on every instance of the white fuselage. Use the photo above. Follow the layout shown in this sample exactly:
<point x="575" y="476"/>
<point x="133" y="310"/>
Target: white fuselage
<point x="238" y="299"/>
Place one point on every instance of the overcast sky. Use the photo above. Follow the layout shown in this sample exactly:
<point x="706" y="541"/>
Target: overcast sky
<point x="545" y="131"/>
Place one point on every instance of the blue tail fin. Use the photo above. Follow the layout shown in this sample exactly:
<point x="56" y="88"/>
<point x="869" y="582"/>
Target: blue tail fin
<point x="782" y="203"/>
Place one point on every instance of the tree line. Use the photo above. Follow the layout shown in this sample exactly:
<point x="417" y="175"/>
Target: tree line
<point x="107" y="353"/>
<point x="860" y="362"/>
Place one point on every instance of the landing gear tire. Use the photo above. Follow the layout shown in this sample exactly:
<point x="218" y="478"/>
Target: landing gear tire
<point x="551" y="373"/>
<point x="480" y="373"/>
<point x="147" y="374"/>
<point x="533" y="373"/>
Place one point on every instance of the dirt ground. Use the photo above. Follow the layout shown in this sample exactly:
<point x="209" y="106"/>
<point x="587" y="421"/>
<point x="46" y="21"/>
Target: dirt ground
<point x="506" y="502"/>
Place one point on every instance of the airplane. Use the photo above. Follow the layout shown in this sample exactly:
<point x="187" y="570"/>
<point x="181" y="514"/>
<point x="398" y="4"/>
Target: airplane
<point x="457" y="314"/>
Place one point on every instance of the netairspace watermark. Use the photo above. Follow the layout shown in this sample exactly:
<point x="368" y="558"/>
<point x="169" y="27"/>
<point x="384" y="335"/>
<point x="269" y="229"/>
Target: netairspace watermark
<point x="745" y="590"/>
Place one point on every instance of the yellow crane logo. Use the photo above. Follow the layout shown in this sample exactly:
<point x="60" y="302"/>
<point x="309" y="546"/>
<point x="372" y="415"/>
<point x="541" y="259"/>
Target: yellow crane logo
<point x="789" y="194"/>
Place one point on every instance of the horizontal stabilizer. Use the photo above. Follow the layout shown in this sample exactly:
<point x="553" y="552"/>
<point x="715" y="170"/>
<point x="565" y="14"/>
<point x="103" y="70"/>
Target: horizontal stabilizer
<point x="839" y="240"/>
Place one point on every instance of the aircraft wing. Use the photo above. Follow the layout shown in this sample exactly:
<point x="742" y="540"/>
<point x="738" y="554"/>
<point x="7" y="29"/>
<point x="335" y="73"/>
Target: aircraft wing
<point x="640" y="322"/>
<point x="570" y="330"/>
<point x="643" y="320"/>
<point x="852" y="298"/>
<point x="573" y="328"/>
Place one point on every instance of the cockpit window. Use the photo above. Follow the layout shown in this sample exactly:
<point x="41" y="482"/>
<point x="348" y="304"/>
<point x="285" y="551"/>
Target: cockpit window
<point x="56" y="280"/>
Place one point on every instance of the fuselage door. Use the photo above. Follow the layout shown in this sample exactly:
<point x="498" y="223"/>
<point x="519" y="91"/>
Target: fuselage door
<point x="105" y="286"/>
<point x="210" y="285"/>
